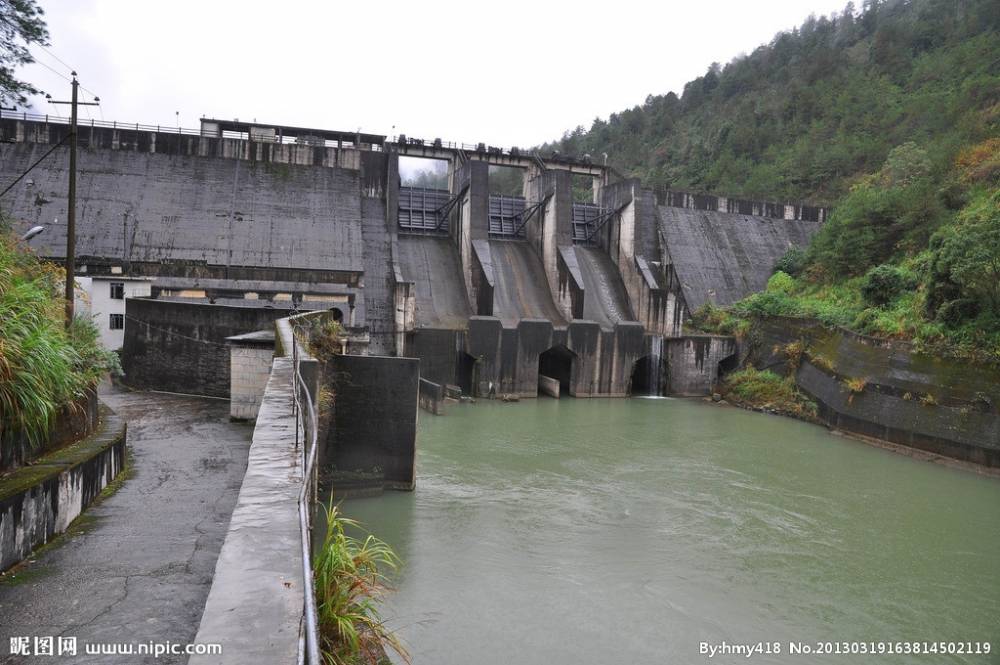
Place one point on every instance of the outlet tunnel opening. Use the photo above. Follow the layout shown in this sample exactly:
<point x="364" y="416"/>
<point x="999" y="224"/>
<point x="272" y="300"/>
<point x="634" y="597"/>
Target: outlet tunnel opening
<point x="465" y="373"/>
<point x="649" y="377"/>
<point x="555" y="366"/>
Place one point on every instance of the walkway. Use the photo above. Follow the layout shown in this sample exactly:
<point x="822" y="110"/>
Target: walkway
<point x="137" y="567"/>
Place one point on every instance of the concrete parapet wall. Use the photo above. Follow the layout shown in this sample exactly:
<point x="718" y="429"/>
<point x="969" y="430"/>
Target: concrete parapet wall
<point x="133" y="138"/>
<point x="256" y="601"/>
<point x="40" y="501"/>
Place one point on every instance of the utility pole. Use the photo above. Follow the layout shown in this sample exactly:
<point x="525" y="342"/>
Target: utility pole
<point x="71" y="206"/>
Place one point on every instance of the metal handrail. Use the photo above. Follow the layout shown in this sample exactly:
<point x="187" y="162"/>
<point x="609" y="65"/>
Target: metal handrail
<point x="277" y="139"/>
<point x="306" y="496"/>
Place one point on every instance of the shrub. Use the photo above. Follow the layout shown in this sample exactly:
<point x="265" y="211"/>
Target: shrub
<point x="349" y="581"/>
<point x="856" y="385"/>
<point x="781" y="282"/>
<point x="793" y="352"/>
<point x="792" y="263"/>
<point x="822" y="362"/>
<point x="883" y="284"/>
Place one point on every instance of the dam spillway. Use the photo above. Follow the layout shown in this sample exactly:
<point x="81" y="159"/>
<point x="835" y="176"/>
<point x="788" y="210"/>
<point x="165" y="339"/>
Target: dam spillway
<point x="477" y="285"/>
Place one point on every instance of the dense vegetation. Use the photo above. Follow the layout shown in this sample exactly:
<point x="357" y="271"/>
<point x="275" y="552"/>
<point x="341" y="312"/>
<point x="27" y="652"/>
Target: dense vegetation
<point x="43" y="366"/>
<point x="891" y="114"/>
<point x="803" y="116"/>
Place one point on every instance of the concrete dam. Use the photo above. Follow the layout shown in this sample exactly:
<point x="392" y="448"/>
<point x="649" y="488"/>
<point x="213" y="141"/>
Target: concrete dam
<point x="489" y="291"/>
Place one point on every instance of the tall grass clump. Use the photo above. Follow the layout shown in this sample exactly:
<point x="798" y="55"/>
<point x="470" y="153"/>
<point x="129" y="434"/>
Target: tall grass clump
<point x="349" y="581"/>
<point x="763" y="389"/>
<point x="43" y="366"/>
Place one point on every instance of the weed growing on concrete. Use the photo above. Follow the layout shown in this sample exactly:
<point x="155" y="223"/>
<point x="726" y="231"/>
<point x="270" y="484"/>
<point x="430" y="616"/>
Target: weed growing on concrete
<point x="765" y="390"/>
<point x="793" y="352"/>
<point x="325" y="338"/>
<point x="349" y="583"/>
<point x="856" y="385"/>
<point x="821" y="362"/>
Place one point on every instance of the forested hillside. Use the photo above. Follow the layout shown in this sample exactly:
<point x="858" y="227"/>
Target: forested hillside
<point x="891" y="114"/>
<point x="803" y="116"/>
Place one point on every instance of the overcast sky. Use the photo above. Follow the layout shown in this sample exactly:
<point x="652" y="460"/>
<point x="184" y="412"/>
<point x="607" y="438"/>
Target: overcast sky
<point x="514" y="72"/>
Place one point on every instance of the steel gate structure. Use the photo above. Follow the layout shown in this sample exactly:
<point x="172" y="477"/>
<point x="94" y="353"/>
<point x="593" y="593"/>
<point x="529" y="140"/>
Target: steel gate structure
<point x="506" y="213"/>
<point x="422" y="209"/>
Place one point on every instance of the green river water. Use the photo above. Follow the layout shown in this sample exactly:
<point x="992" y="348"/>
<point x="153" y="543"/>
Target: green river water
<point x="569" y="531"/>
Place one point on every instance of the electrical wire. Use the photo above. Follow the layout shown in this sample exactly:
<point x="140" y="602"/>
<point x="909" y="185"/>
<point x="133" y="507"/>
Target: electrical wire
<point x="49" y="152"/>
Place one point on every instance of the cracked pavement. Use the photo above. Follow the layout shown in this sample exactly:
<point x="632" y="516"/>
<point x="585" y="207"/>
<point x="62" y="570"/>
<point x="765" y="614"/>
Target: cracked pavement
<point x="137" y="567"/>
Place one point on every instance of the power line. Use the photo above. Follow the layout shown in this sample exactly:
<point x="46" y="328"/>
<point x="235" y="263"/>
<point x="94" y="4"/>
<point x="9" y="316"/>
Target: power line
<point x="35" y="164"/>
<point x="62" y="62"/>
<point x="53" y="70"/>
<point x="57" y="58"/>
<point x="150" y="326"/>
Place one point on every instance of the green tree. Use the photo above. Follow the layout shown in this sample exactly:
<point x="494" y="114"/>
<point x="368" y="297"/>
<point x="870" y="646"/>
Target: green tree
<point x="969" y="252"/>
<point x="21" y="24"/>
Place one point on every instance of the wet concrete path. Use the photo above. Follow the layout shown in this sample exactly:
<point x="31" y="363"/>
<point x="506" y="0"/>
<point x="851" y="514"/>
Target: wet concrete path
<point x="137" y="567"/>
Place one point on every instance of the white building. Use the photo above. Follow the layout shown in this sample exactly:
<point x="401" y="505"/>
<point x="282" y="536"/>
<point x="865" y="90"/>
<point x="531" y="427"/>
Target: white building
<point x="103" y="300"/>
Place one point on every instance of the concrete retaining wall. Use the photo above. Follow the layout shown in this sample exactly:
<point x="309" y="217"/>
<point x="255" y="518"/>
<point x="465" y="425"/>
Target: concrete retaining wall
<point x="40" y="501"/>
<point x="940" y="405"/>
<point x="71" y="424"/>
<point x="181" y="346"/>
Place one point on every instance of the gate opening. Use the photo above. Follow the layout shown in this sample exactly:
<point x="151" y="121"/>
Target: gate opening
<point x="506" y="187"/>
<point x="423" y="195"/>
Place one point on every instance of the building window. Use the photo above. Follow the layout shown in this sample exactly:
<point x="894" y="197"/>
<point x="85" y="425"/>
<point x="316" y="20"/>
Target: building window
<point x="117" y="322"/>
<point x="117" y="290"/>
